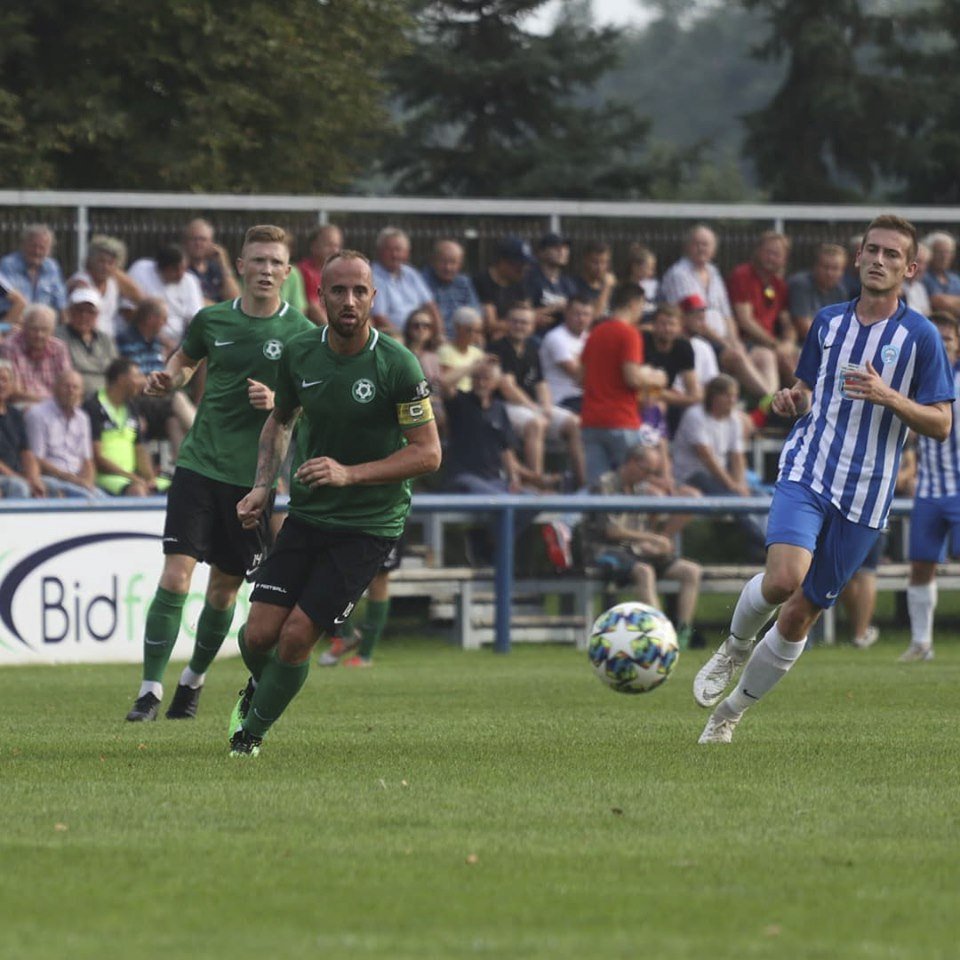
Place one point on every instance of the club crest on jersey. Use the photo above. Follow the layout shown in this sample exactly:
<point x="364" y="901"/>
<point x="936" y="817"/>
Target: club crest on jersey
<point x="890" y="353"/>
<point x="363" y="391"/>
<point x="272" y="349"/>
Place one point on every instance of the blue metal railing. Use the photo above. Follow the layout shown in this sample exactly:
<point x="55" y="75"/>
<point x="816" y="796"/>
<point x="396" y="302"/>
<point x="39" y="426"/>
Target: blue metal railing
<point x="506" y="506"/>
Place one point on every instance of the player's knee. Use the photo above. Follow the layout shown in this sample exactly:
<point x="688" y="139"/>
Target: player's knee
<point x="781" y="583"/>
<point x="689" y="572"/>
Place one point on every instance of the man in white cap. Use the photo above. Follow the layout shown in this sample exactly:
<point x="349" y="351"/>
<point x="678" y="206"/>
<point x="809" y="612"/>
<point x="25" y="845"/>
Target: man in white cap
<point x="91" y="350"/>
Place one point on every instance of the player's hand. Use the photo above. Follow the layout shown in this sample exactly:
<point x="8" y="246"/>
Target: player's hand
<point x="788" y="401"/>
<point x="259" y="394"/>
<point x="865" y="384"/>
<point x="323" y="472"/>
<point x="159" y="384"/>
<point x="251" y="507"/>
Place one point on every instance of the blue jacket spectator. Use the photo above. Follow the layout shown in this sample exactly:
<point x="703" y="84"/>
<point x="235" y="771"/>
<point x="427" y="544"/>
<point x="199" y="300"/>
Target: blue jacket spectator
<point x="33" y="272"/>
<point x="450" y="287"/>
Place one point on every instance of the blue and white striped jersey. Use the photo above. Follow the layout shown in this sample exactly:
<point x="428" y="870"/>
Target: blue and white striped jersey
<point x="938" y="469"/>
<point x="849" y="450"/>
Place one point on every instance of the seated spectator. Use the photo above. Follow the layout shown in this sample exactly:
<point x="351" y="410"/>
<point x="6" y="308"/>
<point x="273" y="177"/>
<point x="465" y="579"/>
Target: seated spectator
<point x="914" y="289"/>
<point x="38" y="358"/>
<point x="171" y="416"/>
<point x="122" y="463"/>
<point x="32" y="272"/>
<point x="628" y="553"/>
<point x="596" y="281"/>
<point x="209" y="262"/>
<point x="560" y="354"/>
<point x="642" y="270"/>
<point x="941" y="281"/>
<point x="758" y="294"/>
<point x="400" y="288"/>
<point x="613" y="373"/>
<point x="168" y="278"/>
<point x="458" y="356"/>
<point x="420" y="338"/>
<point x="532" y="412"/>
<point x="322" y="243"/>
<point x="812" y="290"/>
<point x="448" y="285"/>
<point x="693" y="311"/>
<point x="103" y="270"/>
<point x="501" y="284"/>
<point x="91" y="350"/>
<point x="58" y="430"/>
<point x="12" y="305"/>
<point x="708" y="453"/>
<point x="480" y="456"/>
<point x="696" y="274"/>
<point x="665" y="348"/>
<point x="19" y="472"/>
<point x="548" y="286"/>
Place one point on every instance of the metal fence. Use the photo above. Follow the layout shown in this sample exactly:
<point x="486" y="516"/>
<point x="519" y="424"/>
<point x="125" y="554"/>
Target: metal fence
<point x="146" y="220"/>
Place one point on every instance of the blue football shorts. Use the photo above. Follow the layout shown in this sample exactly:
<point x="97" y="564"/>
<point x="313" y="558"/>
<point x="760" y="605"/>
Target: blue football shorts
<point x="935" y="523"/>
<point x="802" y="518"/>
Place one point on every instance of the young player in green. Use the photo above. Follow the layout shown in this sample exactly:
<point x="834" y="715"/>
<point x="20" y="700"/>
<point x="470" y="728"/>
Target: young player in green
<point x="242" y="341"/>
<point x="367" y="429"/>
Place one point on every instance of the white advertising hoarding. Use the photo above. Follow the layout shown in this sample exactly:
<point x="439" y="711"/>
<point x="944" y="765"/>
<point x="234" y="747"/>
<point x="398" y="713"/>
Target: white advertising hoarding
<point x="75" y="586"/>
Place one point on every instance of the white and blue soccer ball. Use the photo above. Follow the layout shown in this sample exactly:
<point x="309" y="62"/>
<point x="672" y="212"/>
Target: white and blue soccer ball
<point x="633" y="648"/>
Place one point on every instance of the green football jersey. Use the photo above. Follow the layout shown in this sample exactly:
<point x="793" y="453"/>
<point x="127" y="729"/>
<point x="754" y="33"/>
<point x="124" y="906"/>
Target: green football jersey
<point x="354" y="410"/>
<point x="222" y="443"/>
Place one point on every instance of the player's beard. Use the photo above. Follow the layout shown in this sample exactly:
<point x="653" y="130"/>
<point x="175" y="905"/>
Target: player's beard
<point x="348" y="331"/>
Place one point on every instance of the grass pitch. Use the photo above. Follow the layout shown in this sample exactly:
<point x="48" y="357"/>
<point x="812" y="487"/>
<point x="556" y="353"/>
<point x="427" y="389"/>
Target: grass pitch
<point x="457" y="805"/>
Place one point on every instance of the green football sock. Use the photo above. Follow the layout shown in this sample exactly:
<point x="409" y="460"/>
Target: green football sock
<point x="160" y="635"/>
<point x="278" y="685"/>
<point x="256" y="662"/>
<point x="212" y="627"/>
<point x="373" y="624"/>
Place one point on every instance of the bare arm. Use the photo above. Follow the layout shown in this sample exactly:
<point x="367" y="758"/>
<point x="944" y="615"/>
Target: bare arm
<point x="749" y="327"/>
<point x="513" y="394"/>
<point x="572" y="368"/>
<point x="932" y="420"/>
<point x="178" y="371"/>
<point x="692" y="391"/>
<point x="271" y="449"/>
<point x="421" y="455"/>
<point x="716" y="469"/>
<point x="948" y="302"/>
<point x="640" y="376"/>
<point x="128" y="288"/>
<point x="231" y="289"/>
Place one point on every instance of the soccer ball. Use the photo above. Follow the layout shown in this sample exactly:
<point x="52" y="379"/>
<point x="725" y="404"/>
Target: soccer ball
<point x="633" y="648"/>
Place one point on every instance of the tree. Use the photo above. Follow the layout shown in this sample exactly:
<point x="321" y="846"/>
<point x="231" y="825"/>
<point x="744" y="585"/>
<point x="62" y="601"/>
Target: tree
<point x="489" y="109"/>
<point x="925" y="46"/>
<point x="824" y="134"/>
<point x="193" y="94"/>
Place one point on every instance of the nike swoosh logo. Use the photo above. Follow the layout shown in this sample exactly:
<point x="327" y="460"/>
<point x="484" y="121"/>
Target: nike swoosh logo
<point x="223" y="343"/>
<point x="304" y="384"/>
<point x="833" y="596"/>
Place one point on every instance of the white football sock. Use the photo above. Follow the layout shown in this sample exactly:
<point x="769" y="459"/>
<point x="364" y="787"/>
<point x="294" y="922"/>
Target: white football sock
<point x="773" y="657"/>
<point x="751" y="612"/>
<point x="190" y="679"/>
<point x="921" y="602"/>
<point x="151" y="686"/>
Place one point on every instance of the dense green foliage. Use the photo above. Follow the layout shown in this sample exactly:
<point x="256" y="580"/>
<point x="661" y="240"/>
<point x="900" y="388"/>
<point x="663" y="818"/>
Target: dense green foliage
<point x="192" y="94"/>
<point x="453" y="805"/>
<point x="490" y="109"/>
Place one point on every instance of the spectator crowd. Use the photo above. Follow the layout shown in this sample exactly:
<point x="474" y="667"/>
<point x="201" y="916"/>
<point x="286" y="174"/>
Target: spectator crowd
<point x="549" y="375"/>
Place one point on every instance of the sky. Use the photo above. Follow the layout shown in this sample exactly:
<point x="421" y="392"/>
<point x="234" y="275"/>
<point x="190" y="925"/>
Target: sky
<point x="618" y="12"/>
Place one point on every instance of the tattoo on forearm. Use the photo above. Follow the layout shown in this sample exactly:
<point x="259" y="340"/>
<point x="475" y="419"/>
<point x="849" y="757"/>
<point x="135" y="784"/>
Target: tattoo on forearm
<point x="274" y="440"/>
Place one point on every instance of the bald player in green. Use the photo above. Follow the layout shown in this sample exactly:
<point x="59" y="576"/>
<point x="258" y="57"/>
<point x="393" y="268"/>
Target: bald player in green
<point x="243" y="342"/>
<point x="366" y="429"/>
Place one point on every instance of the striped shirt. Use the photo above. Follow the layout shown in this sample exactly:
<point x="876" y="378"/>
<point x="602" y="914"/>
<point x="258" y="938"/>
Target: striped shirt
<point x="938" y="471"/>
<point x="849" y="450"/>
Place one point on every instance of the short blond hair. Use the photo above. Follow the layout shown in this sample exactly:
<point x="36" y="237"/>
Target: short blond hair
<point x="266" y="233"/>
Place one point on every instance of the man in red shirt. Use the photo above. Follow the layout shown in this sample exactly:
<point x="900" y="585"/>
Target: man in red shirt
<point x="758" y="294"/>
<point x="613" y="374"/>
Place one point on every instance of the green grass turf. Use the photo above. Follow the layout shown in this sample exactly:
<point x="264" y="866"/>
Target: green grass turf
<point x="454" y="805"/>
